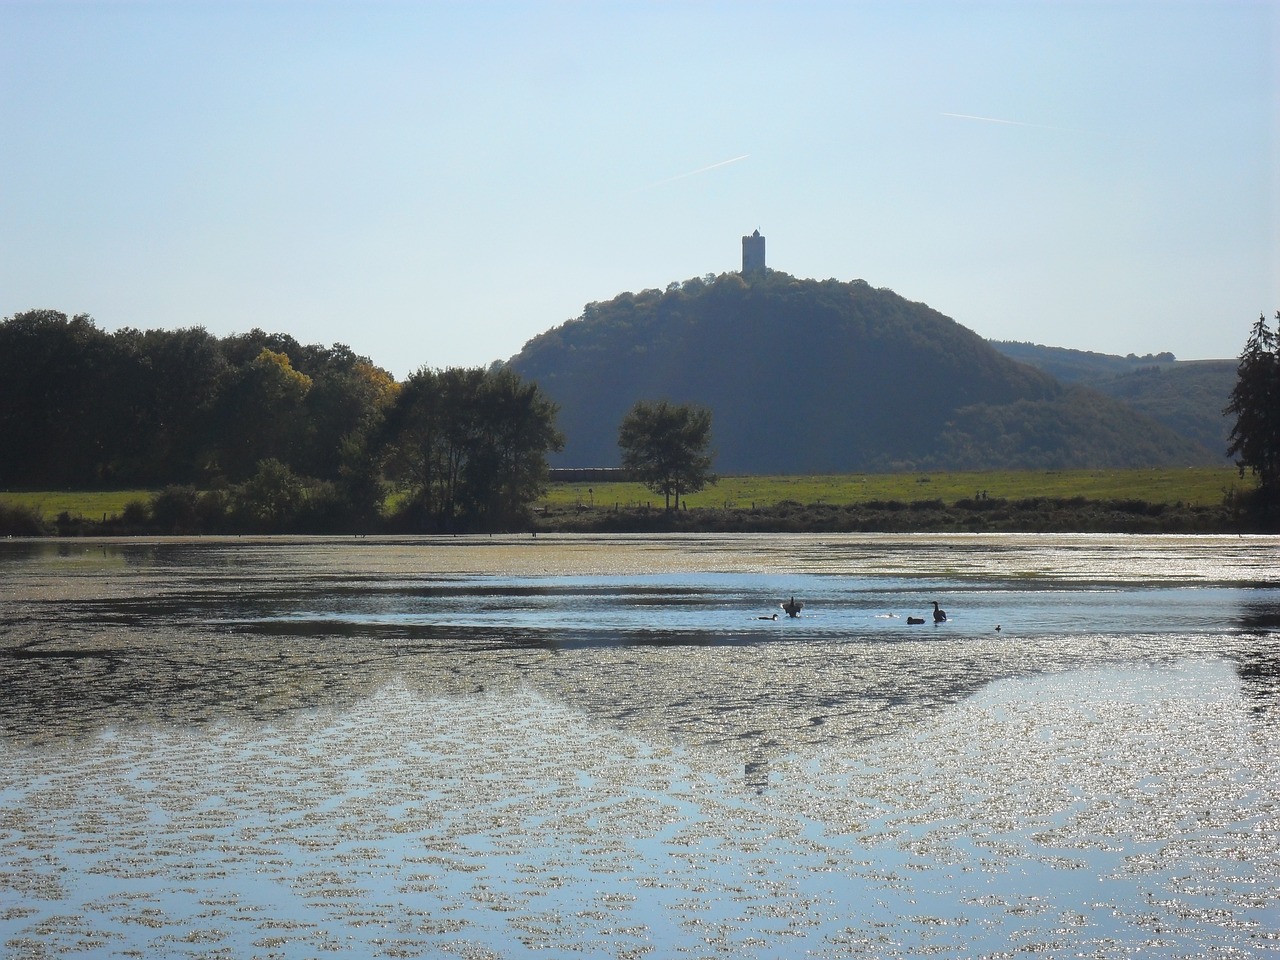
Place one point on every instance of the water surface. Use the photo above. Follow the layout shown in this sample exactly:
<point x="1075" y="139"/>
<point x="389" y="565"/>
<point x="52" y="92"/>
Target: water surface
<point x="508" y="746"/>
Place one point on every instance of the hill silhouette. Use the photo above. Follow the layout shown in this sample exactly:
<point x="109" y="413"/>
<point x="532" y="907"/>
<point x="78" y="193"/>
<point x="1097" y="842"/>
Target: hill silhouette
<point x="806" y="376"/>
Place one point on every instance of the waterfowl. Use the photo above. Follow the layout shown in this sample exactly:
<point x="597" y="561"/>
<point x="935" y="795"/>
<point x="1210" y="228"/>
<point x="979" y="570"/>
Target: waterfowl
<point x="774" y="617"/>
<point x="938" y="613"/>
<point x="915" y="620"/>
<point x="793" y="609"/>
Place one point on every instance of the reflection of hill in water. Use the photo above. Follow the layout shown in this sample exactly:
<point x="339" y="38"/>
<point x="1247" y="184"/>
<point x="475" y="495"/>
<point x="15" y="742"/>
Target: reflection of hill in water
<point x="197" y="750"/>
<point x="76" y="669"/>
<point x="775" y="695"/>
<point x="107" y="635"/>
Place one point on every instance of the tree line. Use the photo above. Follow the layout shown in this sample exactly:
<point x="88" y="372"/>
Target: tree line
<point x="258" y="431"/>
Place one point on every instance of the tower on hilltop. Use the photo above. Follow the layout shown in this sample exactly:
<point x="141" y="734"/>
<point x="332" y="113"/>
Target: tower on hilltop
<point x="753" y="253"/>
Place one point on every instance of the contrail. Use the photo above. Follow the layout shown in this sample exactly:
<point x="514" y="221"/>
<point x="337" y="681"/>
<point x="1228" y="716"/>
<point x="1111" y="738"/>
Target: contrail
<point x="694" y="173"/>
<point x="969" y="116"/>
<point x="1011" y="123"/>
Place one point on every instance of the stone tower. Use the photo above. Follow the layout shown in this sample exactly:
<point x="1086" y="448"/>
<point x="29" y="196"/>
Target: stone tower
<point x="753" y="253"/>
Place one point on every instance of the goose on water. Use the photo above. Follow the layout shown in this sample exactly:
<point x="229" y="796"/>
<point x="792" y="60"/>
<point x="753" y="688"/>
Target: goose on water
<point x="793" y="609"/>
<point x="938" y="613"/>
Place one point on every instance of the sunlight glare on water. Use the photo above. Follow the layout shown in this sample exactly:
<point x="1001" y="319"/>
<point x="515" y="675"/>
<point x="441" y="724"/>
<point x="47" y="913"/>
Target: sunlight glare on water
<point x="593" y="746"/>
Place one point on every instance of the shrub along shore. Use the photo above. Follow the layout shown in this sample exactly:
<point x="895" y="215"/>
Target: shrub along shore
<point x="976" y="515"/>
<point x="1183" y="500"/>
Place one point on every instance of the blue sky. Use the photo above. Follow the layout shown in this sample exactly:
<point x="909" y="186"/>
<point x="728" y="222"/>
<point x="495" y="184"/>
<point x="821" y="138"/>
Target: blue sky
<point x="433" y="184"/>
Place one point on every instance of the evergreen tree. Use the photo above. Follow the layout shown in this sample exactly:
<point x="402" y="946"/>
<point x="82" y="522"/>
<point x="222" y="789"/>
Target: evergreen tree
<point x="1255" y="403"/>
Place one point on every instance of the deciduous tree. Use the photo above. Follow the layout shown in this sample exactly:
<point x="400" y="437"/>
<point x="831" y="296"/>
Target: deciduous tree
<point x="665" y="446"/>
<point x="472" y="445"/>
<point x="508" y="471"/>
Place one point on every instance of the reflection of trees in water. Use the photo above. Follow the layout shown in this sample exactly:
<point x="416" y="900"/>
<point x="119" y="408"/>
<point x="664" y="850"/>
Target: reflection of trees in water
<point x="70" y="668"/>
<point x="81" y="682"/>
<point x="1259" y="669"/>
<point x="1260" y="617"/>
<point x="69" y="677"/>
<point x="1260" y="681"/>
<point x="93" y="665"/>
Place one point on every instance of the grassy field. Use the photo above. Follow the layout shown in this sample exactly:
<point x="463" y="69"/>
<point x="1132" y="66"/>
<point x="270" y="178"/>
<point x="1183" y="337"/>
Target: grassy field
<point x="1192" y="486"/>
<point x="1188" y="485"/>
<point x="90" y="504"/>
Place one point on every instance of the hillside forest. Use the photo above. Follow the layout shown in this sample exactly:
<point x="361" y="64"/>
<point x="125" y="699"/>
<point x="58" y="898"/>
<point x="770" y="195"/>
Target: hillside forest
<point x="1184" y="395"/>
<point x="811" y="377"/>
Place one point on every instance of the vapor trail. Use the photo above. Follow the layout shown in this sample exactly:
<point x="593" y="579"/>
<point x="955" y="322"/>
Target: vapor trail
<point x="1011" y="123"/>
<point x="694" y="173"/>
<point x="969" y="116"/>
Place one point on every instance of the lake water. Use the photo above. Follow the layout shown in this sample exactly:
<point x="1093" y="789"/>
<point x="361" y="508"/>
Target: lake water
<point x="595" y="746"/>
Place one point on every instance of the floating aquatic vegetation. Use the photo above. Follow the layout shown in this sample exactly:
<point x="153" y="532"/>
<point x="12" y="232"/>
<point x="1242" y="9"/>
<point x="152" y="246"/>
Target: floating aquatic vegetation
<point x="169" y="788"/>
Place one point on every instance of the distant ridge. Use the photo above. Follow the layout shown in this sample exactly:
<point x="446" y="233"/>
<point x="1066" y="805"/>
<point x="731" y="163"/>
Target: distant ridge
<point x="1188" y="396"/>
<point x="1079" y="365"/>
<point x="806" y="376"/>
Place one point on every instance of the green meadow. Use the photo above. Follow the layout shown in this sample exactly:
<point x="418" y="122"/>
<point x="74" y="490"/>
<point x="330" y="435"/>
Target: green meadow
<point x="1186" y="485"/>
<point x="89" y="504"/>
<point x="1195" y="486"/>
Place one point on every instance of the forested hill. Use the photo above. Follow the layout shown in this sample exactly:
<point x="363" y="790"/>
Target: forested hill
<point x="1186" y="395"/>
<point x="806" y="376"/>
<point x="1080" y="366"/>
